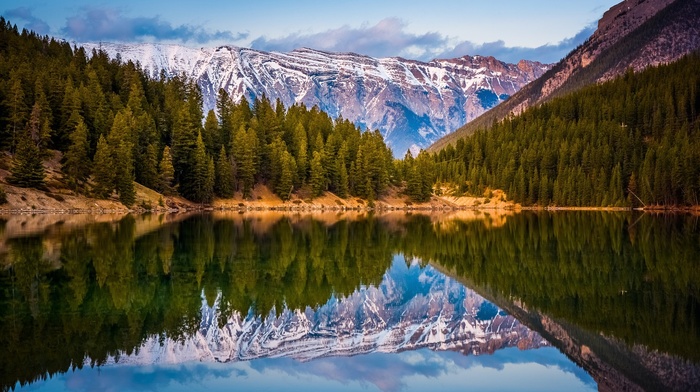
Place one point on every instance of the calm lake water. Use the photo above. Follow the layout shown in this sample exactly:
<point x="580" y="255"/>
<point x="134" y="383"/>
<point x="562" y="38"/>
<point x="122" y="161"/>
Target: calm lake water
<point x="574" y="301"/>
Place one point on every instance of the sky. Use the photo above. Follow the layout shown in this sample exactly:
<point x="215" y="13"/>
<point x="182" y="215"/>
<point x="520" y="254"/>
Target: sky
<point x="509" y="30"/>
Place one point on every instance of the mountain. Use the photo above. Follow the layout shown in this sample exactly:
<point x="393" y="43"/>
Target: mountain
<point x="634" y="34"/>
<point x="613" y="364"/>
<point x="412" y="308"/>
<point x="412" y="103"/>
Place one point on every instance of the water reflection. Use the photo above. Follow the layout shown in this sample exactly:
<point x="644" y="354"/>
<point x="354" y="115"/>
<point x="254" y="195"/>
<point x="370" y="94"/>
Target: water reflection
<point x="413" y="307"/>
<point x="545" y="369"/>
<point x="617" y="293"/>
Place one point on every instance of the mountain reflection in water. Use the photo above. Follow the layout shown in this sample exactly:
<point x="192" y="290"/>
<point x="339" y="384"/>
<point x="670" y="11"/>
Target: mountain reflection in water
<point x="617" y="293"/>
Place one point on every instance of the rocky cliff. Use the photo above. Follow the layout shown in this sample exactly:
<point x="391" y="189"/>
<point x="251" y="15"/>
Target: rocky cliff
<point x="634" y="34"/>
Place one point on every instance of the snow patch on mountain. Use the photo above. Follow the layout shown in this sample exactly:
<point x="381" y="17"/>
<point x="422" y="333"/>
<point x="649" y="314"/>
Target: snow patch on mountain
<point x="412" y="103"/>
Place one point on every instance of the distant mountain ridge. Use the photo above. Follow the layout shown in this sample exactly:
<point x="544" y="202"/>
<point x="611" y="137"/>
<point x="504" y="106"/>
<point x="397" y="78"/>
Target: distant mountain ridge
<point x="633" y="34"/>
<point x="412" y="103"/>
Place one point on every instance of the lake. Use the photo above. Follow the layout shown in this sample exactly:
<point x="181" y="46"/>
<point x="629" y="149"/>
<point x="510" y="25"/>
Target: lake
<point x="575" y="301"/>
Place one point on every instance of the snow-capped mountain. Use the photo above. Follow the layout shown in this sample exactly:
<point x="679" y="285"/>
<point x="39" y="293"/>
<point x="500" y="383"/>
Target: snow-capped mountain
<point x="412" y="308"/>
<point x="412" y="103"/>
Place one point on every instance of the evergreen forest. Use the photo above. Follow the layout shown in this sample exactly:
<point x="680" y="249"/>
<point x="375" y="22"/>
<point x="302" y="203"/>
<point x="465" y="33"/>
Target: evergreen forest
<point x="629" y="142"/>
<point x="633" y="141"/>
<point x="115" y="125"/>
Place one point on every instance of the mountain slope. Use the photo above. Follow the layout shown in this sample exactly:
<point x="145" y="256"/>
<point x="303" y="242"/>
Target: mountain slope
<point x="633" y="34"/>
<point x="412" y="103"/>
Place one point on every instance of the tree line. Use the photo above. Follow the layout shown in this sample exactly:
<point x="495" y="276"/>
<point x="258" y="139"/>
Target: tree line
<point x="116" y="125"/>
<point x="627" y="142"/>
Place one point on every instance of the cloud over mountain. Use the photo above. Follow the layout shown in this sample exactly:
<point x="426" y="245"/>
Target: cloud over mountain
<point x="110" y="24"/>
<point x="31" y="22"/>
<point x="389" y="38"/>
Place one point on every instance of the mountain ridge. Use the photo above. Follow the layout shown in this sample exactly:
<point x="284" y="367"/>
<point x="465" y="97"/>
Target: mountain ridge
<point x="411" y="102"/>
<point x="633" y="34"/>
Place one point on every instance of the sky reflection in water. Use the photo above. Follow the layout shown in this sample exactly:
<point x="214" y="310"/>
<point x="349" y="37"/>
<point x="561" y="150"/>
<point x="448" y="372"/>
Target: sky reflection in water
<point x="544" y="369"/>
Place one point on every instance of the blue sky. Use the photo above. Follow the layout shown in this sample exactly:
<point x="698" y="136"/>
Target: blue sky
<point x="508" y="30"/>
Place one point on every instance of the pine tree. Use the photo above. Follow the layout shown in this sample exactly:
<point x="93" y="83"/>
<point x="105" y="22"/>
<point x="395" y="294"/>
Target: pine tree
<point x="343" y="184"/>
<point x="414" y="183"/>
<point x="203" y="176"/>
<point x="632" y="191"/>
<point x="318" y="175"/>
<point x="284" y="184"/>
<point x="224" y="175"/>
<point x="244" y="153"/>
<point x="44" y="130"/>
<point x="224" y="108"/>
<point x="149" y="167"/>
<point x="27" y="169"/>
<point x="211" y="133"/>
<point x="77" y="164"/>
<point x="543" y="198"/>
<point x="121" y="150"/>
<point x="184" y="141"/>
<point x="102" y="170"/>
<point x="166" y="173"/>
<point x="210" y="180"/>
<point x="300" y="153"/>
<point x="18" y="111"/>
<point x="70" y="109"/>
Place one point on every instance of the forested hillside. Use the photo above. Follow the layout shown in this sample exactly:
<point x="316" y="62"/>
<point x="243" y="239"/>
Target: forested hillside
<point x="631" y="141"/>
<point x="116" y="125"/>
<point x="645" y="33"/>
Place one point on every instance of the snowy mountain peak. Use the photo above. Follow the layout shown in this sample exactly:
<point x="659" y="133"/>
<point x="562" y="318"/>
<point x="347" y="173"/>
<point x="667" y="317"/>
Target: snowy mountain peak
<point x="412" y="103"/>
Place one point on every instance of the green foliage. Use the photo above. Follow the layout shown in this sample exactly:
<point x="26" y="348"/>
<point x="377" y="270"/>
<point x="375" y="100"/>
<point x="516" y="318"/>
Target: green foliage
<point x="224" y="185"/>
<point x="203" y="174"/>
<point x="318" y="175"/>
<point x="211" y="134"/>
<point x="77" y="165"/>
<point x="17" y="109"/>
<point x="103" y="172"/>
<point x="420" y="176"/>
<point x="27" y="168"/>
<point x="266" y="143"/>
<point x="637" y="133"/>
<point x="121" y="150"/>
<point x="244" y="148"/>
<point x="184" y="142"/>
<point x="166" y="173"/>
<point x="147" y="175"/>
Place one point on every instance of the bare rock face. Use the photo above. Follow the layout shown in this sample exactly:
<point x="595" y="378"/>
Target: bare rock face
<point x="615" y="24"/>
<point x="412" y="103"/>
<point x="634" y="34"/>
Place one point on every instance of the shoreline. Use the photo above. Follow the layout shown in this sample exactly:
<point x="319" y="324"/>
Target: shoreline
<point x="25" y="201"/>
<point x="288" y="207"/>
